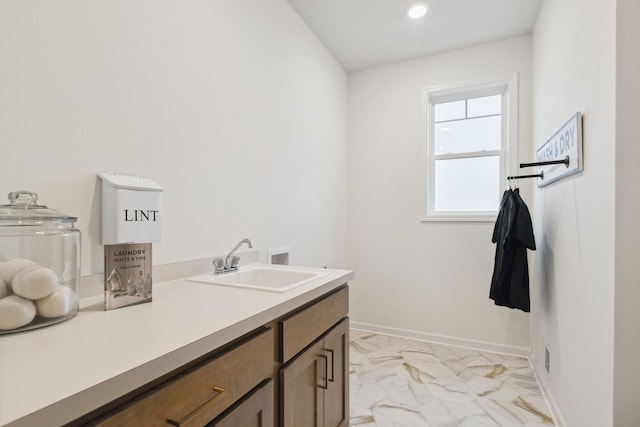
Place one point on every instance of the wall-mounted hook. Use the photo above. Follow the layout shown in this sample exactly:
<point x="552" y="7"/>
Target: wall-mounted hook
<point x="538" y="175"/>
<point x="564" y="161"/>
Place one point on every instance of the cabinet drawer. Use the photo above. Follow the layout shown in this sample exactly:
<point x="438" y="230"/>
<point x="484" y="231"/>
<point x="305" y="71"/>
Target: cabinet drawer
<point x="196" y="397"/>
<point x="303" y="327"/>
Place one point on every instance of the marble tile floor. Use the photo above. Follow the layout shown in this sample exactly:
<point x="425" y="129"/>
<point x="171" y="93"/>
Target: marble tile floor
<point x="397" y="382"/>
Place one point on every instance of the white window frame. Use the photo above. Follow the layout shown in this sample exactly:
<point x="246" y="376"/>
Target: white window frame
<point x="509" y="146"/>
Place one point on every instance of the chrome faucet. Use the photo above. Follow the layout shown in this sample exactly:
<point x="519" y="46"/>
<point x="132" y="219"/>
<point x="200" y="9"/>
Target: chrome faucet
<point x="230" y="262"/>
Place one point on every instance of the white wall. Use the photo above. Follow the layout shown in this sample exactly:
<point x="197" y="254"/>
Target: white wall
<point x="574" y="70"/>
<point x="626" y="411"/>
<point x="233" y="106"/>
<point x="433" y="278"/>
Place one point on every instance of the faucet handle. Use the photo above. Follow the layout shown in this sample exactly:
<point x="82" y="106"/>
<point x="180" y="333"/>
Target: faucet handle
<point x="234" y="261"/>
<point x="218" y="265"/>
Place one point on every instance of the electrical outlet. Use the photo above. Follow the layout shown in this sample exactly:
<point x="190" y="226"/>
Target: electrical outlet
<point x="546" y="359"/>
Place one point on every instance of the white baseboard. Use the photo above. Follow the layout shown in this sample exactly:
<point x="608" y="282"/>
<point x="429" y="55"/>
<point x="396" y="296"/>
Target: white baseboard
<point x="443" y="339"/>
<point x="545" y="389"/>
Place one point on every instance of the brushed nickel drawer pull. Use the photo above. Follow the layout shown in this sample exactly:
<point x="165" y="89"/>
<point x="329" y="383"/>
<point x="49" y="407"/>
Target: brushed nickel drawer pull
<point x="325" y="368"/>
<point x="185" y="422"/>
<point x="332" y="365"/>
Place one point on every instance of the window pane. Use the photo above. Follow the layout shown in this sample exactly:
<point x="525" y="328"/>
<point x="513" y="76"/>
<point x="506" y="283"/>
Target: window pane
<point x="449" y="111"/>
<point x="471" y="184"/>
<point x="484" y="106"/>
<point x="465" y="136"/>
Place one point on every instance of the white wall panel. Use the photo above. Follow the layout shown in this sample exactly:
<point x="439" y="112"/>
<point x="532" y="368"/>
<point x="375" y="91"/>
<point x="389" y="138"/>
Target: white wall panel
<point x="426" y="277"/>
<point x="574" y="70"/>
<point x="234" y="107"/>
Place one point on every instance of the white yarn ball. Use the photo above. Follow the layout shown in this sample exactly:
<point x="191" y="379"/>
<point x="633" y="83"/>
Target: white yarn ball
<point x="11" y="268"/>
<point x="16" y="312"/>
<point x="4" y="289"/>
<point x="60" y="303"/>
<point x="35" y="282"/>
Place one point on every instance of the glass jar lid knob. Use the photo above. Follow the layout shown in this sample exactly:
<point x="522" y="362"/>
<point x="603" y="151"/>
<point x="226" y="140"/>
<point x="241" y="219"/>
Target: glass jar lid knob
<point x="22" y="198"/>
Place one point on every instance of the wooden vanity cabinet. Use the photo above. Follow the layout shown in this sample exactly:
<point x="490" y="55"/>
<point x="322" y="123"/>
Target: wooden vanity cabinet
<point x="314" y="385"/>
<point x="291" y="372"/>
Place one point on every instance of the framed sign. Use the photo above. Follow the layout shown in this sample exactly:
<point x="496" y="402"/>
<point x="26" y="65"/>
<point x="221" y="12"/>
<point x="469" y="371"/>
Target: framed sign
<point x="565" y="143"/>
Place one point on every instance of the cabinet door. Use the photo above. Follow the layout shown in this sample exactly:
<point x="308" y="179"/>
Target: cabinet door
<point x="315" y="385"/>
<point x="255" y="411"/>
<point x="336" y="396"/>
<point x="301" y="389"/>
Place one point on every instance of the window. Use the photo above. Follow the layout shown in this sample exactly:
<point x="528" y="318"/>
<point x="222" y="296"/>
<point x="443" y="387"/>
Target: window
<point x="470" y="129"/>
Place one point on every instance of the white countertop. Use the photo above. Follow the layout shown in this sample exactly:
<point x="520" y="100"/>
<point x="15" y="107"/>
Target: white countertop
<point x="53" y="375"/>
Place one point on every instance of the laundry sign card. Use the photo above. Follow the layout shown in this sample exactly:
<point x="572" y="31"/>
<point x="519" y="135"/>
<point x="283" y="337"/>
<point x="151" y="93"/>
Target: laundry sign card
<point x="565" y="144"/>
<point x="127" y="274"/>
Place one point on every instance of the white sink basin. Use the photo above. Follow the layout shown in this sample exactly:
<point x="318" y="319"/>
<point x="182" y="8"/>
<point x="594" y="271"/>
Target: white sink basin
<point x="262" y="277"/>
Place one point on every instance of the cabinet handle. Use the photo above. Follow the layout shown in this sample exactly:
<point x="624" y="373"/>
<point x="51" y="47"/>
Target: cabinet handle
<point x="325" y="368"/>
<point x="184" y="422"/>
<point x="332" y="365"/>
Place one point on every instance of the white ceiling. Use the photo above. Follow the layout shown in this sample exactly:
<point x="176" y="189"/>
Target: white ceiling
<point x="367" y="33"/>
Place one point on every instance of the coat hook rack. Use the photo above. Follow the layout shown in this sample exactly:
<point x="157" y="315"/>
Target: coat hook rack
<point x="540" y="175"/>
<point x="564" y="161"/>
<point x="537" y="175"/>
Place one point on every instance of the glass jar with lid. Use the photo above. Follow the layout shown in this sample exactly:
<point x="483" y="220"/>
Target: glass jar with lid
<point x="39" y="264"/>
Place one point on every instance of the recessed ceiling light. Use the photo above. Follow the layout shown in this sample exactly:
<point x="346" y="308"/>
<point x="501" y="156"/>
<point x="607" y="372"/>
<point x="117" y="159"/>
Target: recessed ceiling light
<point x="417" y="11"/>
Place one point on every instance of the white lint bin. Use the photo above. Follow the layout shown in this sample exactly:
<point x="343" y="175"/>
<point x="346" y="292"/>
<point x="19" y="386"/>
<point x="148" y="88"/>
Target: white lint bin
<point x="131" y="209"/>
